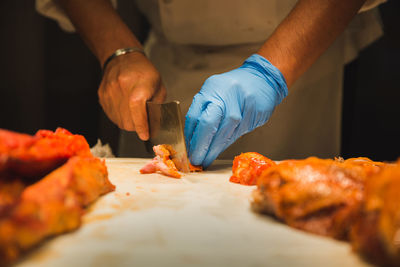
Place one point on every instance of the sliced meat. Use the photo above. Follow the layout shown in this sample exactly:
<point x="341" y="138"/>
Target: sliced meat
<point x="162" y="162"/>
<point x="247" y="167"/>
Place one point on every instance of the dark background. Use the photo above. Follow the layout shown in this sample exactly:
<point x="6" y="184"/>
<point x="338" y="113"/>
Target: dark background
<point x="48" y="78"/>
<point x="371" y="104"/>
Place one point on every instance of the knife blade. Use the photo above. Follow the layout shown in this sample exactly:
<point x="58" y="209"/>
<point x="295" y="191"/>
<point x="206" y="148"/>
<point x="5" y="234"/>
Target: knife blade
<point x="166" y="127"/>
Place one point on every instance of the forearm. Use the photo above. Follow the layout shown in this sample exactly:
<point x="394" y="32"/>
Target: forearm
<point x="99" y="26"/>
<point x="309" y="29"/>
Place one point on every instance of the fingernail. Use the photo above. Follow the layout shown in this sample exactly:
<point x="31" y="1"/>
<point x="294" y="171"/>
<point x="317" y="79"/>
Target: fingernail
<point x="144" y="136"/>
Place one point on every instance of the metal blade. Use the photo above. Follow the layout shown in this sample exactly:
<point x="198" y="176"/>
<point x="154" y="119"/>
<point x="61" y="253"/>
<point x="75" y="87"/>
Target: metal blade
<point x="166" y="127"/>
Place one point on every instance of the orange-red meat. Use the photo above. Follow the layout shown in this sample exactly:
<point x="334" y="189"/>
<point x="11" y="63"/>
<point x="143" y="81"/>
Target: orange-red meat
<point x="35" y="156"/>
<point x="321" y="196"/>
<point x="162" y="162"/>
<point x="195" y="168"/>
<point x="10" y="190"/>
<point x="32" y="208"/>
<point x="53" y="205"/>
<point x="247" y="167"/>
<point x="376" y="233"/>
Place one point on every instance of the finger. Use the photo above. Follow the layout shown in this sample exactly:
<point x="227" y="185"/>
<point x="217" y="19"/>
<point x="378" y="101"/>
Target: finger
<point x="126" y="118"/>
<point x="160" y="95"/>
<point x="123" y="108"/>
<point x="101" y="93"/>
<point x="251" y="119"/>
<point x="137" y="107"/>
<point x="205" y="130"/>
<point x="106" y="102"/>
<point x="114" y="110"/>
<point x="192" y="117"/>
<point x="223" y="135"/>
<point x="116" y="98"/>
<point x="115" y="106"/>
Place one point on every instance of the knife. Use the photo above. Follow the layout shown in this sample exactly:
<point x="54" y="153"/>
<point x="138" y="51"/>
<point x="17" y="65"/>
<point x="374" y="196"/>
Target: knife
<point x="166" y="127"/>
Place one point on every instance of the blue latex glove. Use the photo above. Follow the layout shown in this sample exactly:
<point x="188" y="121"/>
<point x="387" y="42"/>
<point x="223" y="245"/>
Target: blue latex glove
<point x="230" y="105"/>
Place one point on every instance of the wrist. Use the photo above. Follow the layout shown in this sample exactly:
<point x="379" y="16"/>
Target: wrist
<point x="271" y="74"/>
<point x="121" y="52"/>
<point x="106" y="48"/>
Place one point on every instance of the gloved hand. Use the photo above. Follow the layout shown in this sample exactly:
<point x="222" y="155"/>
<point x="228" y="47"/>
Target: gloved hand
<point x="230" y="105"/>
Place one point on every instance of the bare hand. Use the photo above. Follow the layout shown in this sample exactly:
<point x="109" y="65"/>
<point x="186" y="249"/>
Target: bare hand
<point x="130" y="81"/>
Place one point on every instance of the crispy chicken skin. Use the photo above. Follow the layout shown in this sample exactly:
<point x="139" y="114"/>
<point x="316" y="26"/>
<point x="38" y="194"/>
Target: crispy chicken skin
<point x="355" y="199"/>
<point x="35" y="156"/>
<point x="10" y="190"/>
<point x="24" y="159"/>
<point x="321" y="196"/>
<point x="53" y="205"/>
<point x="247" y="167"/>
<point x="33" y="208"/>
<point x="376" y="233"/>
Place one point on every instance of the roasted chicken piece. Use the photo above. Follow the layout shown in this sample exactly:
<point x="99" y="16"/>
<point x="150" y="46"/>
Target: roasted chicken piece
<point x="53" y="205"/>
<point x="163" y="163"/>
<point x="30" y="210"/>
<point x="10" y="190"/>
<point x="247" y="167"/>
<point x="25" y="159"/>
<point x="35" y="156"/>
<point x="376" y="233"/>
<point x="321" y="196"/>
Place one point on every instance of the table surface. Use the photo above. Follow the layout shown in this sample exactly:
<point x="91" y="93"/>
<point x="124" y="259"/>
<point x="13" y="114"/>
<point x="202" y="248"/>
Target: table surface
<point x="199" y="220"/>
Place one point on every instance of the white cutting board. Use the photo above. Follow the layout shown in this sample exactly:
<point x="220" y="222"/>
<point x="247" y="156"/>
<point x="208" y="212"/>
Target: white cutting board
<point x="199" y="220"/>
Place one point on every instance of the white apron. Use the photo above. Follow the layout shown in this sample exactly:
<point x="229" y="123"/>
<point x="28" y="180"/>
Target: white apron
<point x="191" y="40"/>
